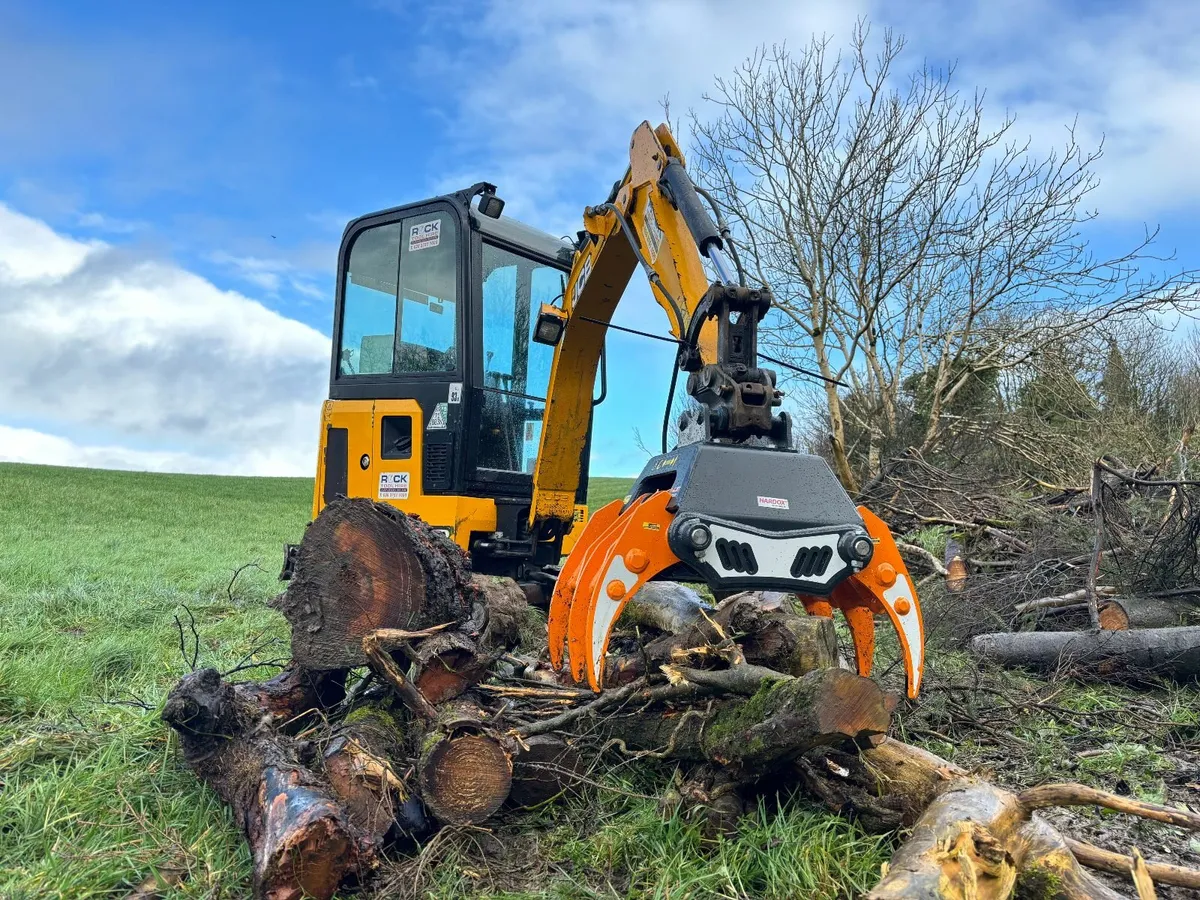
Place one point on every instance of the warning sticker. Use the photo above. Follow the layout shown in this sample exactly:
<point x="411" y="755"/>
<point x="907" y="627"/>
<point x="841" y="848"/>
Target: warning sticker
<point x="773" y="502"/>
<point x="424" y="235"/>
<point x="455" y="392"/>
<point x="393" y="485"/>
<point x="440" y="413"/>
<point x="654" y="234"/>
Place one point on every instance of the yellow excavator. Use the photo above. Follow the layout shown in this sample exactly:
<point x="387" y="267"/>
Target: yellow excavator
<point x="466" y="353"/>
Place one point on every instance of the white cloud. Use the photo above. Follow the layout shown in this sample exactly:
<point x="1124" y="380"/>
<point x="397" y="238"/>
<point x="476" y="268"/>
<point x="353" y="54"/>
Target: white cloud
<point x="152" y="355"/>
<point x="548" y="100"/>
<point x="271" y="275"/>
<point x="1128" y="74"/>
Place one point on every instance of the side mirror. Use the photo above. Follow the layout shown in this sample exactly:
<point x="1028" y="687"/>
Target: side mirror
<point x="551" y="322"/>
<point x="491" y="206"/>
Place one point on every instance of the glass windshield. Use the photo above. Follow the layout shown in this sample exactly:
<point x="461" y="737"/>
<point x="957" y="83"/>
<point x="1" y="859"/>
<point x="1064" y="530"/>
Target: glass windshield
<point x="400" y="311"/>
<point x="516" y="370"/>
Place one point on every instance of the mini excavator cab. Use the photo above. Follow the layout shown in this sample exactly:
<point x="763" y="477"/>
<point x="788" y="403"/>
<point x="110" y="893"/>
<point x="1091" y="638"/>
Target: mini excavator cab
<point x="436" y="389"/>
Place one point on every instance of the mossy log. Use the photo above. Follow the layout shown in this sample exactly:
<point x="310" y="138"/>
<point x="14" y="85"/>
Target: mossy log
<point x="302" y="843"/>
<point x="362" y="566"/>
<point x="783" y="718"/>
<point x="360" y="762"/>
<point x="765" y="628"/>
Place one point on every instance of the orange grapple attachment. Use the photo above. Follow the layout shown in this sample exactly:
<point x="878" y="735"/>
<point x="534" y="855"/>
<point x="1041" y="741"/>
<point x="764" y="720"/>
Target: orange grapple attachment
<point x="568" y="577"/>
<point x="883" y="586"/>
<point x="628" y="555"/>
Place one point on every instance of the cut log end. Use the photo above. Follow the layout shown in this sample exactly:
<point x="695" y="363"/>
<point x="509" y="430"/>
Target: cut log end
<point x="362" y="566"/>
<point x="465" y="778"/>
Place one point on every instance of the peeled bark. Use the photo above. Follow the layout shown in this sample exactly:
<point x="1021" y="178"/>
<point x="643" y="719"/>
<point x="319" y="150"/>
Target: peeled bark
<point x="1170" y="652"/>
<point x="301" y="841"/>
<point x="975" y="841"/>
<point x="1121" y="614"/>
<point x="358" y="762"/>
<point x="363" y="566"/>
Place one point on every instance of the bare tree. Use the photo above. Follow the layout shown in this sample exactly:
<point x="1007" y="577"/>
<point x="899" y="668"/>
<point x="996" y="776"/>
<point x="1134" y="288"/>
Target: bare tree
<point x="907" y="241"/>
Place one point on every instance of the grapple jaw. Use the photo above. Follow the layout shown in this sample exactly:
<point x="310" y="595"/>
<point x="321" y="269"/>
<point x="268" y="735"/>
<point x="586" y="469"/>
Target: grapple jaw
<point x="735" y="518"/>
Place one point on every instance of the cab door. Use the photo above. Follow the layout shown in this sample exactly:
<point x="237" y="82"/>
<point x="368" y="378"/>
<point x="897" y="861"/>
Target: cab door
<point x="347" y="438"/>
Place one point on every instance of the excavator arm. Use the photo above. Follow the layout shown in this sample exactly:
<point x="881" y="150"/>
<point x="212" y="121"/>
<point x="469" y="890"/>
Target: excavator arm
<point x="638" y="225"/>
<point x="737" y="507"/>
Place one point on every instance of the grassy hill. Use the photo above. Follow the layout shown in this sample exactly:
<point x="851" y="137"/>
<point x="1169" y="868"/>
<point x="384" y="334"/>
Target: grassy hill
<point x="95" y="568"/>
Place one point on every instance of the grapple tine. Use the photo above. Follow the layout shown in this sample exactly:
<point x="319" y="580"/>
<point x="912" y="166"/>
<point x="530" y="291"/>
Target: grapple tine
<point x="637" y="553"/>
<point x="565" y="586"/>
<point x="578" y="617"/>
<point x="883" y="586"/>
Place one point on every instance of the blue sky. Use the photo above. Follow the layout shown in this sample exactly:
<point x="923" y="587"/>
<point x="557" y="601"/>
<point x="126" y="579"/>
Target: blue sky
<point x="174" y="178"/>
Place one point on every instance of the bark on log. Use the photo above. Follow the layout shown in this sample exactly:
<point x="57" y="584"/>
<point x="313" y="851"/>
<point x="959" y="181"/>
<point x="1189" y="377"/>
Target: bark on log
<point x="358" y="762"/>
<point x="664" y="606"/>
<point x="969" y="838"/>
<point x="1121" y="614"/>
<point x="362" y="566"/>
<point x="450" y="662"/>
<point x="1171" y="652"/>
<point x="767" y="630"/>
<point x="544" y="767"/>
<point x="712" y="798"/>
<point x="974" y="841"/>
<point x="297" y="690"/>
<point x="301" y="841"/>
<point x="784" y="718"/>
<point x="1120" y="864"/>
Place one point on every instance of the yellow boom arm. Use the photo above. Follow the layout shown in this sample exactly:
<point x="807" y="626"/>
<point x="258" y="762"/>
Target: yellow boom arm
<point x="639" y="226"/>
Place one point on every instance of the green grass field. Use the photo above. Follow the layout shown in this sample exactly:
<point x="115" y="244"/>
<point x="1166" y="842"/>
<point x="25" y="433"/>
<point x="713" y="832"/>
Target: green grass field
<point x="96" y="566"/>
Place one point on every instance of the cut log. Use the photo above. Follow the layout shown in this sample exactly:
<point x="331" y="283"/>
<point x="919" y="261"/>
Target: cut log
<point x="362" y="566"/>
<point x="465" y="769"/>
<point x="1121" y="614"/>
<point x="297" y="690"/>
<point x="301" y="841"/>
<point x="1170" y="652"/>
<point x="544" y="767"/>
<point x="665" y="606"/>
<point x="784" y="718"/>
<point x="765" y="628"/>
<point x="358" y="764"/>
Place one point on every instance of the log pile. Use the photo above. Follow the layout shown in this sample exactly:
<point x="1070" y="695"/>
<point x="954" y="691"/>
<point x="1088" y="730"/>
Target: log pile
<point x="412" y="704"/>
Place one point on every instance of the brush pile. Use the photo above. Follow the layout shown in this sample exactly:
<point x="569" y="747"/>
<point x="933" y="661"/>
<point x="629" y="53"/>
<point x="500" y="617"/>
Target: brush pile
<point x="419" y="697"/>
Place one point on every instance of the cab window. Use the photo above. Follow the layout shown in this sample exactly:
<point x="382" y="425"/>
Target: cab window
<point x="516" y="371"/>
<point x="400" y="307"/>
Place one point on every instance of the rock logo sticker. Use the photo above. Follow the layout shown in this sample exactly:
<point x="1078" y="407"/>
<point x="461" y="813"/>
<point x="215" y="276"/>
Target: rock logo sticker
<point x="773" y="502"/>
<point x="424" y="235"/>
<point x="393" y="485"/>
